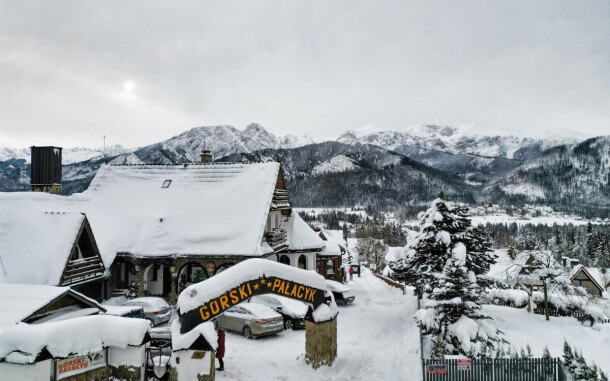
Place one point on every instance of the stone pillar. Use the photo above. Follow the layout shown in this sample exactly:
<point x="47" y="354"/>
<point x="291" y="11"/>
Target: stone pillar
<point x="193" y="365"/>
<point x="173" y="293"/>
<point x="320" y="343"/>
<point x="140" y="277"/>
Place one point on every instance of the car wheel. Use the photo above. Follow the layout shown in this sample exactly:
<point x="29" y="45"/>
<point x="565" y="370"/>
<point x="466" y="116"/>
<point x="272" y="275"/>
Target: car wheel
<point x="248" y="333"/>
<point x="288" y="324"/>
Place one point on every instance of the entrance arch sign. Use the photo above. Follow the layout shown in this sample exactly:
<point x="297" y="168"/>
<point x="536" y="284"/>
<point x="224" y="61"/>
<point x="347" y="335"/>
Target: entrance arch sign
<point x="262" y="285"/>
<point x="203" y="301"/>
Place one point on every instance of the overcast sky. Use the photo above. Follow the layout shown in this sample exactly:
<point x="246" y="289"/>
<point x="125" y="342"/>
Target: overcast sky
<point x="143" y="71"/>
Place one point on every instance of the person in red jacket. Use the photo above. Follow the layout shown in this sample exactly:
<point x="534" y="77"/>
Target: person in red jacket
<point x="220" y="351"/>
<point x="351" y="273"/>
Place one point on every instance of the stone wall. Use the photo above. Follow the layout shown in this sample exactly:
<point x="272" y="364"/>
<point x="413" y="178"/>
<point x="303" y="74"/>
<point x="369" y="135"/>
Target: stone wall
<point x="320" y="343"/>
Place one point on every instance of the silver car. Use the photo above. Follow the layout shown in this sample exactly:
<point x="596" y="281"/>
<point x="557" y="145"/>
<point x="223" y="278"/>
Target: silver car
<point x="252" y="320"/>
<point x="155" y="309"/>
<point x="291" y="310"/>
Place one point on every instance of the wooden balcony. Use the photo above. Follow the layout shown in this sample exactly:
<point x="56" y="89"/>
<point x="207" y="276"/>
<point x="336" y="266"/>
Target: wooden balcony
<point x="280" y="199"/>
<point x="277" y="238"/>
<point x="82" y="269"/>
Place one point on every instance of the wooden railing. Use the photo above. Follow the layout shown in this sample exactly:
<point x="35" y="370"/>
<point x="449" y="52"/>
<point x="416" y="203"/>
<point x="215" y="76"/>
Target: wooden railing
<point x="83" y="269"/>
<point x="277" y="237"/>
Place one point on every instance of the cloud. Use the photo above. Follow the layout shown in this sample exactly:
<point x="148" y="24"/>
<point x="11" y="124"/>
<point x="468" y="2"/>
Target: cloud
<point x="298" y="67"/>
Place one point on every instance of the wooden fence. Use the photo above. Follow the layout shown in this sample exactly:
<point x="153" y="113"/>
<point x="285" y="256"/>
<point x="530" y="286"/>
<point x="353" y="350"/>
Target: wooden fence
<point x="525" y="369"/>
<point x="391" y="282"/>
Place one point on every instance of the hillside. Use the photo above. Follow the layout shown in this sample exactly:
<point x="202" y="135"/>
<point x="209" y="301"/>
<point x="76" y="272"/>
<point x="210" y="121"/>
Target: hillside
<point x="576" y="175"/>
<point x="362" y="174"/>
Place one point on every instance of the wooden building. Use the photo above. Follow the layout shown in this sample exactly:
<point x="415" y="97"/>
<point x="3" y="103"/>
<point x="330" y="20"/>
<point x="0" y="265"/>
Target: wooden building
<point x="48" y="247"/>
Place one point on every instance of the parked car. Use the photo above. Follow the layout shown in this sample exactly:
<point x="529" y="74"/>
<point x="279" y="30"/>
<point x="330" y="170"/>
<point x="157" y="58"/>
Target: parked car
<point x="343" y="294"/>
<point x="252" y="320"/>
<point x="293" y="312"/>
<point x="155" y="309"/>
<point x="125" y="311"/>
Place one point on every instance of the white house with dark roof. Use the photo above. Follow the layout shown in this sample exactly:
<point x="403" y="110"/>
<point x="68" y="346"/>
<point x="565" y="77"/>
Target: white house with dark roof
<point x="166" y="226"/>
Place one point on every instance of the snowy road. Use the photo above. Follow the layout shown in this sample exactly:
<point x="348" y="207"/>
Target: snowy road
<point x="377" y="340"/>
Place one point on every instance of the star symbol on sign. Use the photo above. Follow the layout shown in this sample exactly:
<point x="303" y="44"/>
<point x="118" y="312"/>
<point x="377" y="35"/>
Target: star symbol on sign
<point x="256" y="286"/>
<point x="268" y="284"/>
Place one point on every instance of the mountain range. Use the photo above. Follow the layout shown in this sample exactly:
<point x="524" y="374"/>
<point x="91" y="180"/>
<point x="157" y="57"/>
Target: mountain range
<point x="386" y="168"/>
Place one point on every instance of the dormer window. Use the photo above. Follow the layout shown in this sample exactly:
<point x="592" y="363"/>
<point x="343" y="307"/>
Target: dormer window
<point x="166" y="184"/>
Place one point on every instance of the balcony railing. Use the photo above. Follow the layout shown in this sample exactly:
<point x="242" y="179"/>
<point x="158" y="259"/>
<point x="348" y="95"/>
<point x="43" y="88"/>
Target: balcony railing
<point x="82" y="269"/>
<point x="277" y="238"/>
<point x="280" y="199"/>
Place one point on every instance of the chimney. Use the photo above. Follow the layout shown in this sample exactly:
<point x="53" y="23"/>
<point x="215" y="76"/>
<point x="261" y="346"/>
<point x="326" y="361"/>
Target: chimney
<point x="45" y="173"/>
<point x="206" y="156"/>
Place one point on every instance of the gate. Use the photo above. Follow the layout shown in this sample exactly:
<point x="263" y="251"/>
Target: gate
<point x="527" y="369"/>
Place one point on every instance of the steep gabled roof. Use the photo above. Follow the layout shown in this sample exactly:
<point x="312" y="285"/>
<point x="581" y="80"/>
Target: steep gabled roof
<point x="301" y="236"/>
<point x="592" y="273"/>
<point x="212" y="209"/>
<point x="34" y="245"/>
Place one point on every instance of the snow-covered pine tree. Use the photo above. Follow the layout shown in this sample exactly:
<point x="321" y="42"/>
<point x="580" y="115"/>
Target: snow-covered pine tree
<point x="453" y="313"/>
<point x="568" y="357"/>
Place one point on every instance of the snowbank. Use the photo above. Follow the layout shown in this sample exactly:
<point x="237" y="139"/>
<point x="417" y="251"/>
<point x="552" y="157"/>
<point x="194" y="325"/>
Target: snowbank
<point x="78" y="336"/>
<point x="522" y="328"/>
<point x="182" y="341"/>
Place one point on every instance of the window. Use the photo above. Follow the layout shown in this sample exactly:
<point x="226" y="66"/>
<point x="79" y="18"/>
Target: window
<point x="303" y="262"/>
<point x="330" y="267"/>
<point x="285" y="260"/>
<point x="166" y="184"/>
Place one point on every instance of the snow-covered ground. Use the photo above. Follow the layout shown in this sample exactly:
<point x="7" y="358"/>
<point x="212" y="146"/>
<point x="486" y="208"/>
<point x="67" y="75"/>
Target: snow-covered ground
<point x="377" y="340"/>
<point x="521" y="328"/>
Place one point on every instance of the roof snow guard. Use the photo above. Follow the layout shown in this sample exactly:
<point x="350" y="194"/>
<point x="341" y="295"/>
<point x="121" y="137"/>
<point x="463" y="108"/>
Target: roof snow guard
<point x="201" y="302"/>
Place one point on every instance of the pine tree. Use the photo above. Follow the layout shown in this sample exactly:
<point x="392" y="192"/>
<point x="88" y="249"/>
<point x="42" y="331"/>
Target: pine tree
<point x="568" y="357"/>
<point x="439" y="347"/>
<point x="546" y="353"/>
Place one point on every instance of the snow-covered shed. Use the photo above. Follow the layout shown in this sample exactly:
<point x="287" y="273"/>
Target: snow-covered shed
<point x="43" y="246"/>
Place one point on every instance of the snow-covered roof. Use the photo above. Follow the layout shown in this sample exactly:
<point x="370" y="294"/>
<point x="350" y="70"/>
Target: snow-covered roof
<point x="19" y="301"/>
<point x="33" y="235"/>
<point x="594" y="273"/>
<point x="78" y="336"/>
<point x="331" y="248"/>
<point x="209" y="209"/>
<point x="395" y="253"/>
<point x="182" y="341"/>
<point x="301" y="236"/>
<point x="334" y="236"/>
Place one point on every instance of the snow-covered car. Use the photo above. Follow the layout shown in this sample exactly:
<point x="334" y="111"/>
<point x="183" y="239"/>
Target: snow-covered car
<point x="252" y="320"/>
<point x="343" y="294"/>
<point x="155" y="309"/>
<point x="291" y="310"/>
<point x="125" y="311"/>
